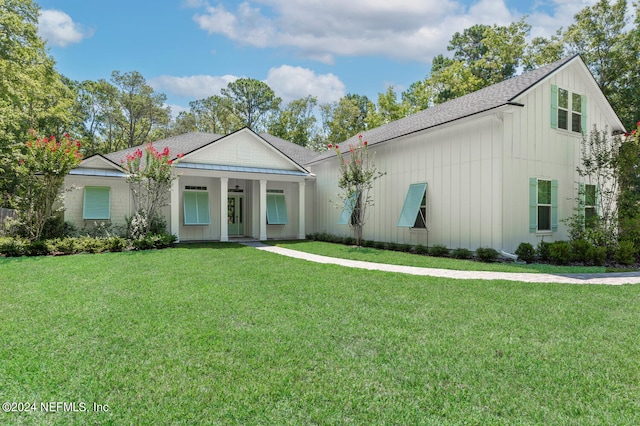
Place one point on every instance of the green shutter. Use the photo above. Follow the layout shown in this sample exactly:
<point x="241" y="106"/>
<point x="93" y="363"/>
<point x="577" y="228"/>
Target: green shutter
<point x="585" y="130"/>
<point x="533" y="204"/>
<point x="196" y="208"/>
<point x="276" y="210"/>
<point x="412" y="204"/>
<point x="349" y="205"/>
<point x="97" y="203"/>
<point x="554" y="106"/>
<point x="554" y="205"/>
<point x="581" y="199"/>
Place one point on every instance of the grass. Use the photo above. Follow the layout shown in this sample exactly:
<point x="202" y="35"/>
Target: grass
<point x="400" y="258"/>
<point x="222" y="334"/>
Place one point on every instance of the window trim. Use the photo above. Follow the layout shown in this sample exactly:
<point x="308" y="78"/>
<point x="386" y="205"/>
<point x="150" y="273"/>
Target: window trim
<point x="570" y="110"/>
<point x="198" y="195"/>
<point x="92" y="212"/>
<point x="413" y="206"/>
<point x="533" y="206"/>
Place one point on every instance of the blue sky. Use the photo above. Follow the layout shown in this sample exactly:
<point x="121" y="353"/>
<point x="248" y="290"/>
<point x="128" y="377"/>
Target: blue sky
<point x="189" y="49"/>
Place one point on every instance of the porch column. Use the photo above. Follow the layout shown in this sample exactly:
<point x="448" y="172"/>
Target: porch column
<point x="175" y="208"/>
<point x="224" y="220"/>
<point x="301" y="205"/>
<point x="263" y="210"/>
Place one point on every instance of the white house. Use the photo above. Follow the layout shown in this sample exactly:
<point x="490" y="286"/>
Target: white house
<point x="490" y="169"/>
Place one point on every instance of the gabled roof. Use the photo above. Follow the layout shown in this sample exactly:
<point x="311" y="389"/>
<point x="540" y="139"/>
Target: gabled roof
<point x="193" y="141"/>
<point x="486" y="99"/>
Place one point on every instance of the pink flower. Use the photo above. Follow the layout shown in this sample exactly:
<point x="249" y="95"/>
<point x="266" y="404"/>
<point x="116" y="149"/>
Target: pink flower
<point x="180" y="155"/>
<point x="66" y="135"/>
<point x="330" y="146"/>
<point x="337" y="147"/>
<point x="365" y="143"/>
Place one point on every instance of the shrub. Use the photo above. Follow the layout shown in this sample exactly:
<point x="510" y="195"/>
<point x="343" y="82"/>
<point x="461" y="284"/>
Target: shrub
<point x="543" y="252"/>
<point x="406" y="248"/>
<point x="379" y="245"/>
<point x="526" y="252"/>
<point x="393" y="246"/>
<point x="92" y="245"/>
<point x="14" y="247"/>
<point x="580" y="250"/>
<point x="368" y="243"/>
<point x="461" y="253"/>
<point x="597" y="255"/>
<point x="68" y="245"/>
<point x="37" y="248"/>
<point x="625" y="253"/>
<point x="420" y="249"/>
<point x="487" y="254"/>
<point x="115" y="244"/>
<point x="54" y="227"/>
<point x="349" y="241"/>
<point x="560" y="252"/>
<point x="438" y="250"/>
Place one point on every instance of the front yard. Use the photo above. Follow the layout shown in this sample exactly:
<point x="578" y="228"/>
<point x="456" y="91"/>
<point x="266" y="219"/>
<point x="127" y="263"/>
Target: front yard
<point x="225" y="334"/>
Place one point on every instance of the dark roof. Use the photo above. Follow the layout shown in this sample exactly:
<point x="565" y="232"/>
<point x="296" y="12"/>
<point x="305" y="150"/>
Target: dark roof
<point x="485" y="99"/>
<point x="297" y="153"/>
<point x="189" y="142"/>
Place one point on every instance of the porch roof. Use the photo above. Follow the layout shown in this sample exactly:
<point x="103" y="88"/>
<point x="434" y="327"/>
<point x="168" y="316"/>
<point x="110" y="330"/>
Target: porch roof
<point x="228" y="168"/>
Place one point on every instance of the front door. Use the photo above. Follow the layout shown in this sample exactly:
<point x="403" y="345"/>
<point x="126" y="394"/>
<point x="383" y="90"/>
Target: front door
<point x="235" y="214"/>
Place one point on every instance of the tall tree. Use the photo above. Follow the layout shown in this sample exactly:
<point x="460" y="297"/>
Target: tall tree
<point x="250" y="101"/>
<point x="101" y="116"/>
<point x="296" y="122"/>
<point x="142" y="107"/>
<point x="215" y="115"/>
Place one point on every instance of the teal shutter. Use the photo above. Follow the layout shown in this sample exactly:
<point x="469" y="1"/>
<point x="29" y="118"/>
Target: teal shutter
<point x="96" y="203"/>
<point x="276" y="210"/>
<point x="349" y="205"/>
<point x="583" y="124"/>
<point x="554" y="106"/>
<point x="554" y="205"/>
<point x="196" y="208"/>
<point x="581" y="199"/>
<point x="411" y="205"/>
<point x="533" y="204"/>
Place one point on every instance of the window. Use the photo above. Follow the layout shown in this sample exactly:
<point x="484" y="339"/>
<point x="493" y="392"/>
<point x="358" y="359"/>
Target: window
<point x="276" y="210"/>
<point x="414" y="210"/>
<point x="590" y="205"/>
<point x="568" y="109"/>
<point x="97" y="203"/>
<point x="350" y="205"/>
<point x="196" y="208"/>
<point x="543" y="205"/>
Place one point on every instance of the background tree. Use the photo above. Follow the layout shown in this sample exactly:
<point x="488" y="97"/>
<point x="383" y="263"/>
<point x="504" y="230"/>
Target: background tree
<point x="296" y="122"/>
<point x="628" y="168"/>
<point x="215" y="115"/>
<point x="143" y="109"/>
<point x="250" y="101"/>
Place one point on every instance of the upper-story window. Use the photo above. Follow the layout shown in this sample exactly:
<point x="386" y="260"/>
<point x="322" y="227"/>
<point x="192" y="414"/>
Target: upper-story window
<point x="568" y="110"/>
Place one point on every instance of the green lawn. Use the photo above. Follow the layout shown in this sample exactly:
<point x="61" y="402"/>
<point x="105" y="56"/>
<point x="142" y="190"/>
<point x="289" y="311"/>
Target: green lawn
<point x="222" y="334"/>
<point x="399" y="258"/>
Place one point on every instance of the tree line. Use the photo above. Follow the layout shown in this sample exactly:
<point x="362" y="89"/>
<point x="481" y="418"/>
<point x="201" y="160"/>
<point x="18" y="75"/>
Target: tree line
<point x="125" y="111"/>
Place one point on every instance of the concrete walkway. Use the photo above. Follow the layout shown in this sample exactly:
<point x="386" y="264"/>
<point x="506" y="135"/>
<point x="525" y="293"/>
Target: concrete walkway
<point x="608" y="279"/>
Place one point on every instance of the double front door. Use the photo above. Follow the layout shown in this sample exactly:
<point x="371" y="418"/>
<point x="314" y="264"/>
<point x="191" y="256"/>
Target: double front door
<point x="235" y="215"/>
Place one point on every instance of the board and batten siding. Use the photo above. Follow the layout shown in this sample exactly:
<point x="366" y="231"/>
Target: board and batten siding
<point x="533" y="149"/>
<point x="461" y="165"/>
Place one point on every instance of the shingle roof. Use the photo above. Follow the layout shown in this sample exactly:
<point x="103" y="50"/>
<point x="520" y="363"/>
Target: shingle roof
<point x="485" y="99"/>
<point x="189" y="142"/>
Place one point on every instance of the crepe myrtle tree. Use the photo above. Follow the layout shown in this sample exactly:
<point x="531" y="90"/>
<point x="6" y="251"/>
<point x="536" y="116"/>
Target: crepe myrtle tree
<point x="42" y="163"/>
<point x="150" y="183"/>
<point x="357" y="173"/>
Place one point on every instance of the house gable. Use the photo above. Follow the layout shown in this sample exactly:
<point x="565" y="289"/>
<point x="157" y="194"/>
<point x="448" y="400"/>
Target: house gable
<point x="97" y="161"/>
<point x="243" y="148"/>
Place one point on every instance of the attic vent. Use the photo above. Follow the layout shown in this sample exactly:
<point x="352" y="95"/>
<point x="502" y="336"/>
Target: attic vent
<point x="196" y="188"/>
<point x="275" y="191"/>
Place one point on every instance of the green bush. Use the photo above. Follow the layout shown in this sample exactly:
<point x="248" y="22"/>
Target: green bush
<point x="560" y="253"/>
<point x="438" y="250"/>
<point x="392" y="246"/>
<point x="349" y="241"/>
<point x="368" y="243"/>
<point x="487" y="254"/>
<point x="625" y="253"/>
<point x="580" y="250"/>
<point x="37" y="248"/>
<point x="526" y="252"/>
<point x="406" y="248"/>
<point x="14" y="247"/>
<point x="461" y="253"/>
<point x="68" y="245"/>
<point x="597" y="255"/>
<point x="115" y="244"/>
<point x="420" y="249"/>
<point x="543" y="252"/>
<point x="381" y="245"/>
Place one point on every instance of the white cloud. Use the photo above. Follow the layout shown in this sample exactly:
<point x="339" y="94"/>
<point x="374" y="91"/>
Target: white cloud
<point x="195" y="86"/>
<point x="58" y="28"/>
<point x="292" y="83"/>
<point x="400" y="29"/>
<point x="176" y="109"/>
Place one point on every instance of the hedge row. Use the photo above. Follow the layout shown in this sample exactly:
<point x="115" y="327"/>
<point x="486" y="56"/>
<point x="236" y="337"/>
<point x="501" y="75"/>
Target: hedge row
<point x="15" y="247"/>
